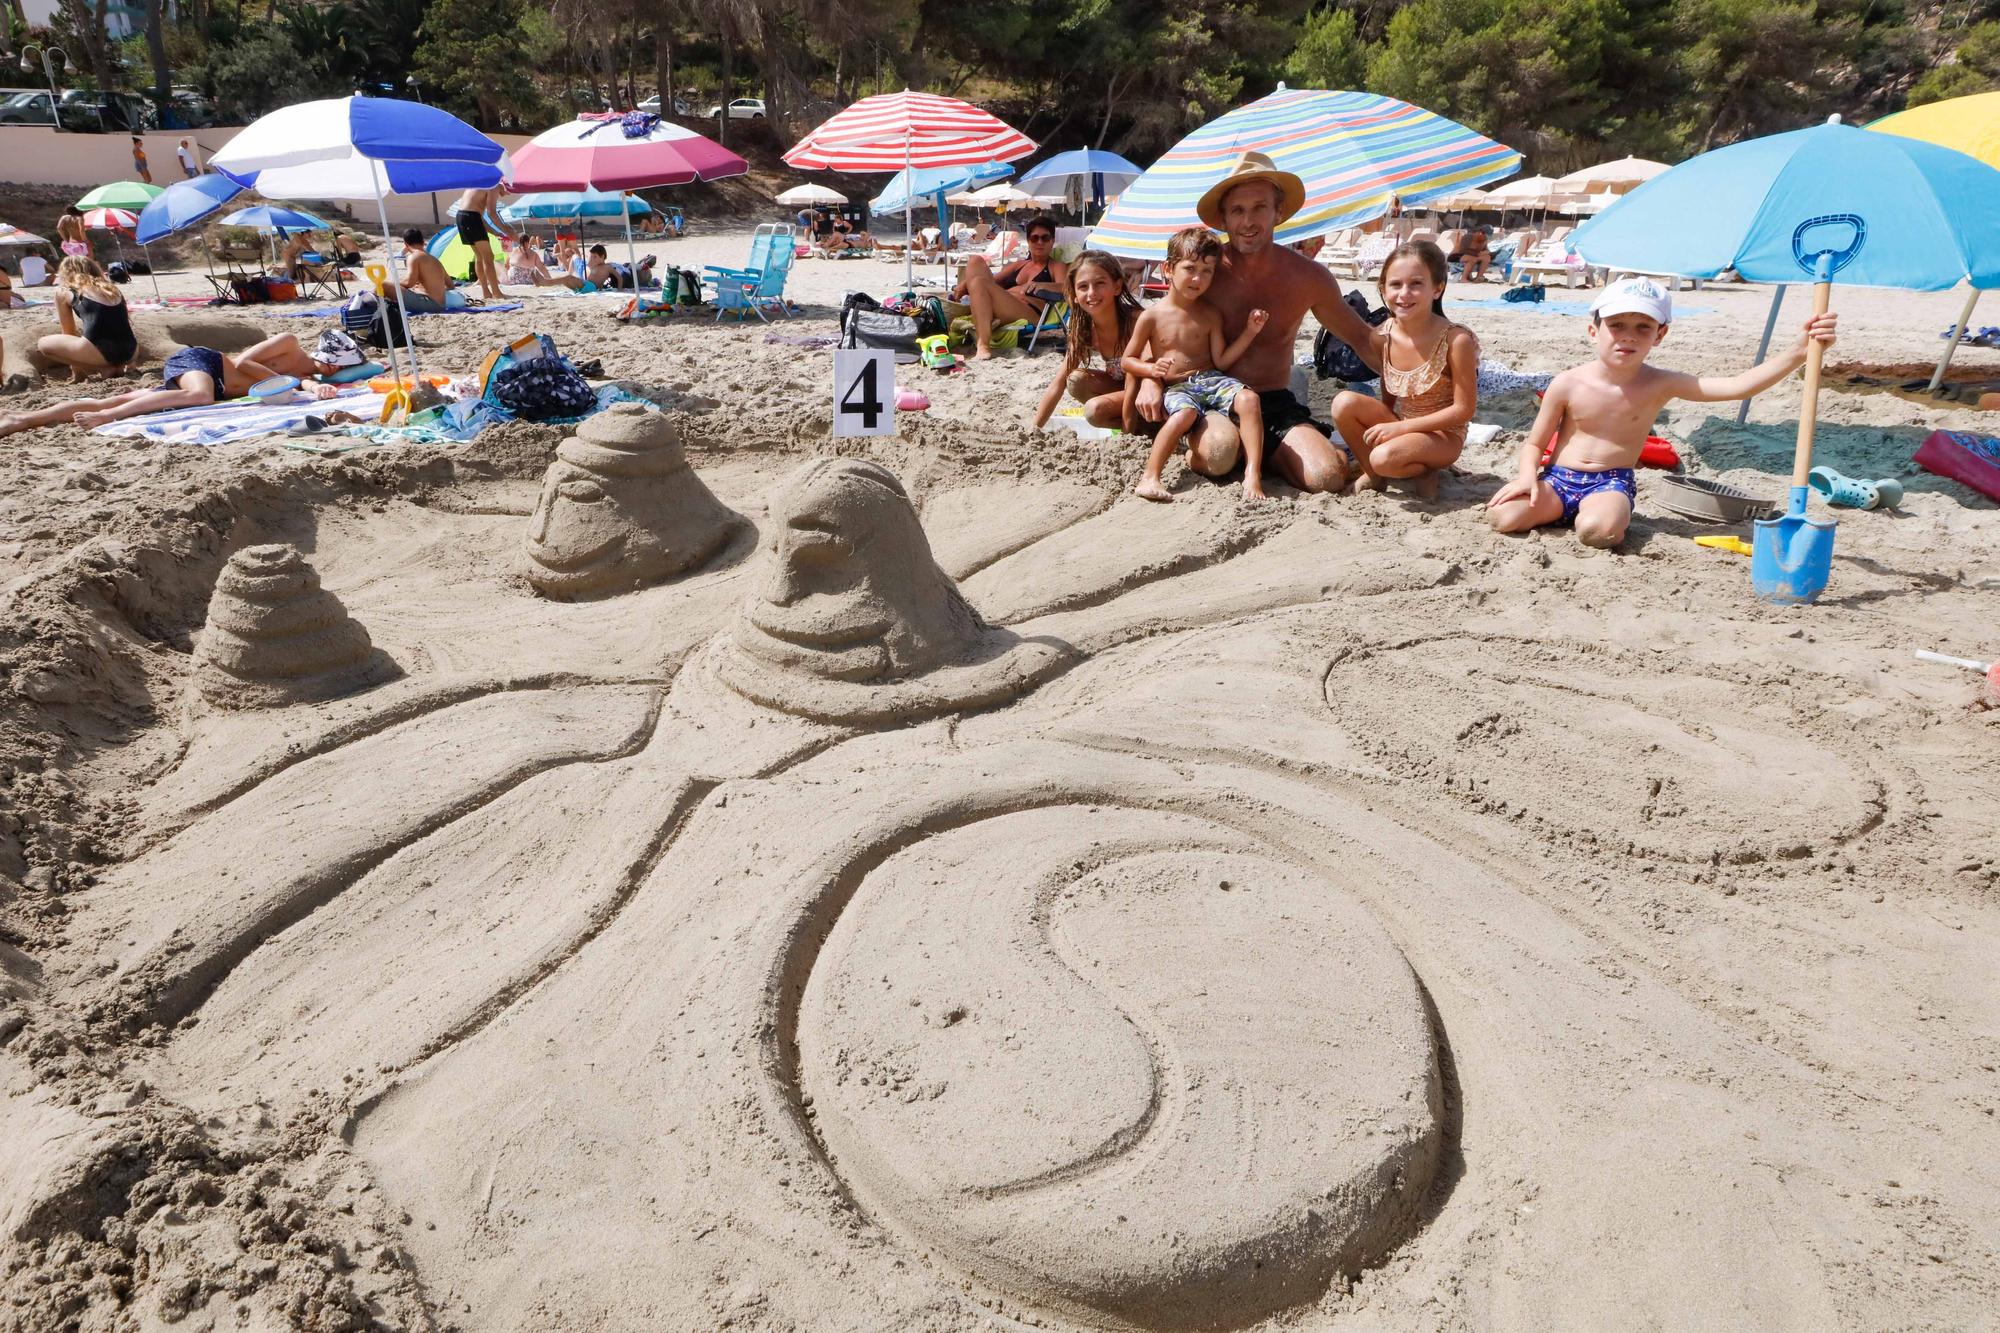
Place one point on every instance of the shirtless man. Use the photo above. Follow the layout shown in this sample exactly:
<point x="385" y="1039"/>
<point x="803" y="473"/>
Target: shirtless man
<point x="424" y="281"/>
<point x="1257" y="274"/>
<point x="477" y="219"/>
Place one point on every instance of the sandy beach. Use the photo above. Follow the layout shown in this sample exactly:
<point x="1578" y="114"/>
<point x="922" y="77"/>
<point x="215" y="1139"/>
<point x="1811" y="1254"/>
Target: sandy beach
<point x="980" y="898"/>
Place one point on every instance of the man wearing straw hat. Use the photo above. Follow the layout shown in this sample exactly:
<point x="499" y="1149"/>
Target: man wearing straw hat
<point x="1250" y="204"/>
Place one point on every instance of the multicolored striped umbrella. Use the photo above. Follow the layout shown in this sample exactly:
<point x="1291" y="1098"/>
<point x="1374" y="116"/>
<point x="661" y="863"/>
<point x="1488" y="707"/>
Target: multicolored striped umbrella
<point x="895" y="131"/>
<point x="1354" y="151"/>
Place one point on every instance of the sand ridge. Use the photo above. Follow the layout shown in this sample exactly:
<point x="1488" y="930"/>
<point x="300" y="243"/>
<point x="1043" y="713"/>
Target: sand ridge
<point x="1588" y="926"/>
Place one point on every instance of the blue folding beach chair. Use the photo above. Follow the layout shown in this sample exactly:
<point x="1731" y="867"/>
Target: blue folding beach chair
<point x="761" y="281"/>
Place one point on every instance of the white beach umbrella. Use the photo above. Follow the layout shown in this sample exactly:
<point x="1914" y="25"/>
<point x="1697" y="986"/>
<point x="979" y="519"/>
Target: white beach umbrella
<point x="1627" y="173"/>
<point x="804" y="196"/>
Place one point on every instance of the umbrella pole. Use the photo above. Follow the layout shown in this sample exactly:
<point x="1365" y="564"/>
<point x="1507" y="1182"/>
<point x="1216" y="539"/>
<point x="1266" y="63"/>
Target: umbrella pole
<point x="163" y="300"/>
<point x="631" y="251"/>
<point x="409" y="343"/>
<point x="909" y="235"/>
<point x="1763" y="345"/>
<point x="1957" y="332"/>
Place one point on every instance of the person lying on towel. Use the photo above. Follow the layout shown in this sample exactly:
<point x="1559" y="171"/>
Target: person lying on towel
<point x="194" y="377"/>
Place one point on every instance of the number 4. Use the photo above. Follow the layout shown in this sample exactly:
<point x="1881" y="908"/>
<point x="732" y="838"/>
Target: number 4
<point x="870" y="406"/>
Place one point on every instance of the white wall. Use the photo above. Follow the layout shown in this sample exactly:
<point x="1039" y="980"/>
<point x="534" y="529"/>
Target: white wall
<point x="37" y="155"/>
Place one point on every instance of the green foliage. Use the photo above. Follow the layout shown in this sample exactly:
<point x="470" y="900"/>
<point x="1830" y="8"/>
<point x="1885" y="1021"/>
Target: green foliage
<point x="1330" y="53"/>
<point x="473" y="58"/>
<point x="1976" y="69"/>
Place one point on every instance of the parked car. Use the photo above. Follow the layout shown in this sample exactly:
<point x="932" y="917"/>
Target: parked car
<point x="652" y="106"/>
<point x="106" y="113"/>
<point x="28" y="108"/>
<point x="192" y="111"/>
<point x="581" y="100"/>
<point x="743" y="108"/>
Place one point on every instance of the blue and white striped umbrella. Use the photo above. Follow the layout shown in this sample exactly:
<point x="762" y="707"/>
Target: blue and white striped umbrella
<point x="1355" y="153"/>
<point x="1099" y="173"/>
<point x="573" y="204"/>
<point x="359" y="148"/>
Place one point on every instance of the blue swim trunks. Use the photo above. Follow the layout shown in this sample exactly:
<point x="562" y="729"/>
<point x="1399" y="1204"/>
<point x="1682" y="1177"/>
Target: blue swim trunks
<point x="1572" y="485"/>
<point x="203" y="359"/>
<point x="1204" y="391"/>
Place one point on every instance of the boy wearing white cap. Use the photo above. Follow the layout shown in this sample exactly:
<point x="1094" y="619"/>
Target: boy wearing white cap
<point x="1600" y="413"/>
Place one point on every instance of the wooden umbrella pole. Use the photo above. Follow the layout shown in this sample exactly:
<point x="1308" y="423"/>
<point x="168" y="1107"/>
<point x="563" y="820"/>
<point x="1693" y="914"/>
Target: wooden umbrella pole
<point x="1957" y="332"/>
<point x="1809" y="399"/>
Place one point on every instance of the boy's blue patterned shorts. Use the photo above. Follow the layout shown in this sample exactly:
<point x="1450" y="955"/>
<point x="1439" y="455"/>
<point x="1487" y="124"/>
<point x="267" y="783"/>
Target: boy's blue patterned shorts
<point x="1204" y="391"/>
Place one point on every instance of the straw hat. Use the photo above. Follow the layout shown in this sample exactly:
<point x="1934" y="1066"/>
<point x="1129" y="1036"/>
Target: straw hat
<point x="1252" y="167"/>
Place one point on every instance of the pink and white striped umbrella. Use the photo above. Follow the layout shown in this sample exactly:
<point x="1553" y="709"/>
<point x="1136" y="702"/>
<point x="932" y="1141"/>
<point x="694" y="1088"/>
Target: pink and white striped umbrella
<point x="891" y="131"/>
<point x="110" y="219"/>
<point x="595" y="153"/>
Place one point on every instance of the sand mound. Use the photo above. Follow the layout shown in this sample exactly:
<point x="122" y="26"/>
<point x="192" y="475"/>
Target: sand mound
<point x="854" y="621"/>
<point x="1207" y="1142"/>
<point x="620" y="509"/>
<point x="275" y="637"/>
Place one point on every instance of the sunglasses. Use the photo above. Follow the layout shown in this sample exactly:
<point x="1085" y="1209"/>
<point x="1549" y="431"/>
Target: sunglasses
<point x="1041" y="236"/>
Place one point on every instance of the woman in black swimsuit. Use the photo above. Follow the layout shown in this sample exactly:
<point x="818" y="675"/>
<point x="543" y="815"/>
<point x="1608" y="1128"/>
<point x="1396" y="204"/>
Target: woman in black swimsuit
<point x="1022" y="290"/>
<point x="96" y="337"/>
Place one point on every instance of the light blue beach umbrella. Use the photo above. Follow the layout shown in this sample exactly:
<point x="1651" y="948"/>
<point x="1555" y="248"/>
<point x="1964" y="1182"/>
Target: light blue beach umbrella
<point x="1829" y="204"/>
<point x="183" y="204"/>
<point x="929" y="185"/>
<point x="1104" y="174"/>
<point x="558" y="204"/>
<point x="266" y="218"/>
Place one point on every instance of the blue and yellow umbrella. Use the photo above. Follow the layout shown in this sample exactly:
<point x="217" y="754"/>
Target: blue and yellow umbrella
<point x="1355" y="152"/>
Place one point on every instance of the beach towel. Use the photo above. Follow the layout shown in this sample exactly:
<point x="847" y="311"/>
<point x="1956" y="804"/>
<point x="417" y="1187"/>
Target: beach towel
<point x="463" y="420"/>
<point x="335" y="311"/>
<point x="239" y="419"/>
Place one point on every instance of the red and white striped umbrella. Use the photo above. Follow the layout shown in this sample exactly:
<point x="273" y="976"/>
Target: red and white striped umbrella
<point x="110" y="219"/>
<point x="892" y="131"/>
<point x="596" y="153"/>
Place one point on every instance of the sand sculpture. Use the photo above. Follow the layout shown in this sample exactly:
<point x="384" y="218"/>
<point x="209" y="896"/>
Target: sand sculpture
<point x="275" y="637"/>
<point x="620" y="509"/>
<point x="852" y="619"/>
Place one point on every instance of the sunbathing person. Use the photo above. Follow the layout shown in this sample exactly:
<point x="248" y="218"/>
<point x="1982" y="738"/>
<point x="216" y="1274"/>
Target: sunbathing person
<point x="96" y="337"/>
<point x="1474" y="254"/>
<point x="284" y="354"/>
<point x="8" y="297"/>
<point x="426" y="286"/>
<point x="608" y="276"/>
<point x="525" y="266"/>
<point x="192" y="377"/>
<point x="1021" y="290"/>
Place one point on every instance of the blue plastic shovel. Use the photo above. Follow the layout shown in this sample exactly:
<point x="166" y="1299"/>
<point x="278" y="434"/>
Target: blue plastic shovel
<point x="1792" y="556"/>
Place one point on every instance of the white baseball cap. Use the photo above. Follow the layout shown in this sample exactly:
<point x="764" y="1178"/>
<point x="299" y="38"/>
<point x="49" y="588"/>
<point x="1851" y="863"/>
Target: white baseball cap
<point x="1634" y="296"/>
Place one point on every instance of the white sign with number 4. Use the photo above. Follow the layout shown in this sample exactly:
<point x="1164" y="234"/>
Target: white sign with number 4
<point x="864" y="391"/>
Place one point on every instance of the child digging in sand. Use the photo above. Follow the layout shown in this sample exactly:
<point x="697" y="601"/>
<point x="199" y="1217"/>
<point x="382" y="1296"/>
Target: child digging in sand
<point x="1430" y="381"/>
<point x="1601" y="412"/>
<point x="1179" y="343"/>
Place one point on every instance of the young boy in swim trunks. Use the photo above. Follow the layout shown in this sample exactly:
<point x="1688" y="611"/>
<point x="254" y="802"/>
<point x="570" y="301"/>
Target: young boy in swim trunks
<point x="1601" y="412"/>
<point x="1179" y="343"/>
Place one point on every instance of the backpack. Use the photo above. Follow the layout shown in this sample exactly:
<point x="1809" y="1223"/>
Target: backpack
<point x="372" y="320"/>
<point x="542" y="389"/>
<point x="680" y="286"/>
<point x="118" y="271"/>
<point x="1334" y="359"/>
<point x="1533" y="293"/>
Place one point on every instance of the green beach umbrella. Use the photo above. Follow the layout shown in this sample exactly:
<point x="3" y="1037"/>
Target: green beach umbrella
<point x="134" y="195"/>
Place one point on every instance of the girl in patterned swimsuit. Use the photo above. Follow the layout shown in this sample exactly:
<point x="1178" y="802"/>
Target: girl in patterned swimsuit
<point x="1430" y="381"/>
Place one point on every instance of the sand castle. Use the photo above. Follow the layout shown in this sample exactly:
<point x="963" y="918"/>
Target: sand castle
<point x="620" y="509"/>
<point x="275" y="637"/>
<point x="853" y="620"/>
